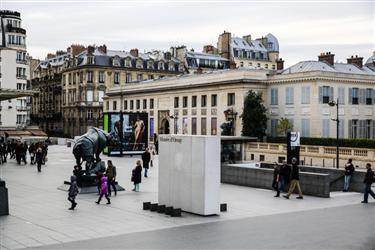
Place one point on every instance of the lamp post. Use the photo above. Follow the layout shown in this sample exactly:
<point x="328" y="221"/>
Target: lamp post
<point x="174" y="117"/>
<point x="332" y="104"/>
<point x="121" y="132"/>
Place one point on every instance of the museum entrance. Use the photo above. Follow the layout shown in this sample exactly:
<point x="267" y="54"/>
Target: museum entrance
<point x="164" y="129"/>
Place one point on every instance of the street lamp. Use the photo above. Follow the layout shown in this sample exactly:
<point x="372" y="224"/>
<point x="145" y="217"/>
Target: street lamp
<point x="332" y="104"/>
<point x="174" y="117"/>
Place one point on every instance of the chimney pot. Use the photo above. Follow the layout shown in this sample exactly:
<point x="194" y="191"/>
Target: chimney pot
<point x="327" y="57"/>
<point x="358" y="61"/>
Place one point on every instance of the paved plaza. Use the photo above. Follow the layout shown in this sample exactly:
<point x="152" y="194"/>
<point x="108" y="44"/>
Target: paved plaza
<point x="39" y="216"/>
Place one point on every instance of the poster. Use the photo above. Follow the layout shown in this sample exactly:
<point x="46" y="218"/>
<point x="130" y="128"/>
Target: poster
<point x="134" y="133"/>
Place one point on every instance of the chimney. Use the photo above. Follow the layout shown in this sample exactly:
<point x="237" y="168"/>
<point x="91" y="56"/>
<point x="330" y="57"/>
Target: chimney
<point x="356" y="61"/>
<point x="90" y="49"/>
<point x="279" y="64"/>
<point x="167" y="56"/>
<point x="247" y="38"/>
<point x="103" y="49"/>
<point x="327" y="57"/>
<point x="210" y="49"/>
<point x="60" y="52"/>
<point x="134" y="52"/>
<point x="264" y="41"/>
<point x="75" y="49"/>
<point x="223" y="44"/>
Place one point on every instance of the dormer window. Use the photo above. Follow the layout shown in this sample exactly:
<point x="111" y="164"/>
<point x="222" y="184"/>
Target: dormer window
<point x="128" y="62"/>
<point x="90" y="60"/>
<point x="171" y="66"/>
<point x="139" y="63"/>
<point x="150" y="64"/>
<point x="161" y="65"/>
<point x="181" y="67"/>
<point x="116" y="61"/>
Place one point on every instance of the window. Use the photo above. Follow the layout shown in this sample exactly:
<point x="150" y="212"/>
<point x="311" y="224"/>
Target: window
<point x="144" y="104"/>
<point x="100" y="95"/>
<point x="131" y="104"/>
<point x="107" y="104"/>
<point x="213" y="100"/>
<point x="125" y="104"/>
<point x="261" y="158"/>
<point x="274" y="96"/>
<point x="354" y="96"/>
<point x="101" y="76"/>
<point x="151" y="103"/>
<point x="213" y="126"/>
<point x="368" y="125"/>
<point x="89" y="95"/>
<point x="89" y="114"/>
<point x="176" y="102"/>
<point x="369" y="96"/>
<point x="81" y="77"/>
<point x="117" y="78"/>
<point x="21" y="72"/>
<point x="305" y="98"/>
<point x="114" y="105"/>
<point x="203" y="101"/>
<point x="258" y="65"/>
<point x="325" y="128"/>
<point x="289" y="95"/>
<point x="139" y="77"/>
<point x="353" y="128"/>
<point x="89" y="76"/>
<point x="193" y="126"/>
<point x="231" y="99"/>
<point x="305" y="124"/>
<point x="341" y="95"/>
<point x="193" y="101"/>
<point x="274" y="123"/>
<point x="252" y="157"/>
<point x="128" y="77"/>
<point x="138" y="104"/>
<point x="185" y="125"/>
<point x="203" y="126"/>
<point x="266" y="66"/>
<point x="184" y="101"/>
<point x="325" y="94"/>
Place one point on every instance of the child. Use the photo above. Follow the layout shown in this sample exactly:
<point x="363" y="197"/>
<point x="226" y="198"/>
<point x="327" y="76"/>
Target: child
<point x="73" y="191"/>
<point x="137" y="176"/>
<point x="104" y="190"/>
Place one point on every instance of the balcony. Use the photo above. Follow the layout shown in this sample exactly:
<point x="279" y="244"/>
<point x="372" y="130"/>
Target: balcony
<point x="10" y="28"/>
<point x="21" y="108"/>
<point x="21" y="61"/>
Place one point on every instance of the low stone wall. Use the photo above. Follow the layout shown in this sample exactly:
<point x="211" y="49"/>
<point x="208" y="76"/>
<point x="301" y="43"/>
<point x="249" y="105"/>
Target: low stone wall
<point x="315" y="184"/>
<point x="336" y="177"/>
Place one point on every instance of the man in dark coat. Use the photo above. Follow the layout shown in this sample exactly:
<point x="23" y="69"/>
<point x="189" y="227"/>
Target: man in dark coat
<point x="284" y="176"/>
<point x="39" y="159"/>
<point x="349" y="169"/>
<point x="146" y="157"/>
<point x="137" y="176"/>
<point x="369" y="179"/>
<point x="295" y="180"/>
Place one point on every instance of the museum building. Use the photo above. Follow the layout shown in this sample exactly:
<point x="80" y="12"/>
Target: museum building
<point x="199" y="104"/>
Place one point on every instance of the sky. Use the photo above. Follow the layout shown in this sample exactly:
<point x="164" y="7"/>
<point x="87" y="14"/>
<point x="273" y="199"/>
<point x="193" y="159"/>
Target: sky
<point x="304" y="28"/>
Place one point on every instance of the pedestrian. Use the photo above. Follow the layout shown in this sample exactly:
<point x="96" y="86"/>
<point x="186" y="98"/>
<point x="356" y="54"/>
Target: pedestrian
<point x="18" y="151"/>
<point x="146" y="157"/>
<point x="32" y="153"/>
<point x="104" y="190"/>
<point x="156" y="143"/>
<point x="152" y="153"/>
<point x="39" y="159"/>
<point x="99" y="176"/>
<point x="24" y="152"/>
<point x="349" y="169"/>
<point x="111" y="177"/>
<point x="276" y="179"/>
<point x="73" y="191"/>
<point x="137" y="176"/>
<point x="369" y="179"/>
<point x="294" y="180"/>
<point x="284" y="176"/>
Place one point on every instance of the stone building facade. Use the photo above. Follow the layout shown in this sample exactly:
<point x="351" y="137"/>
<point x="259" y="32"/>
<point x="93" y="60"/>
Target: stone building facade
<point x="201" y="103"/>
<point x="88" y="75"/>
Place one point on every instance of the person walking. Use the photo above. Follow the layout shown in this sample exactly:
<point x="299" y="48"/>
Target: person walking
<point x="73" y="191"/>
<point x="137" y="176"/>
<point x="24" y="148"/>
<point x="111" y="177"/>
<point x="39" y="159"/>
<point x="156" y="143"/>
<point x="104" y="190"/>
<point x="146" y="157"/>
<point x="152" y="153"/>
<point x="295" y="180"/>
<point x="349" y="169"/>
<point x="368" y="180"/>
<point x="284" y="176"/>
<point x="32" y="153"/>
<point x="276" y="179"/>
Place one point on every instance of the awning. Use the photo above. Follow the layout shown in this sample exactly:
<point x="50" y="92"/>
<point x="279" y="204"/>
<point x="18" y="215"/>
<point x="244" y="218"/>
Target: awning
<point x="17" y="133"/>
<point x="38" y="133"/>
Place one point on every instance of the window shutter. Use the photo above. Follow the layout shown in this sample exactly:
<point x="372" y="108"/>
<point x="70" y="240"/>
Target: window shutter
<point x="331" y="94"/>
<point x="276" y="96"/>
<point x="350" y="129"/>
<point x="320" y="94"/>
<point x="362" y="128"/>
<point x="350" y="97"/>
<point x="373" y="129"/>
<point x="361" y="96"/>
<point x="373" y="96"/>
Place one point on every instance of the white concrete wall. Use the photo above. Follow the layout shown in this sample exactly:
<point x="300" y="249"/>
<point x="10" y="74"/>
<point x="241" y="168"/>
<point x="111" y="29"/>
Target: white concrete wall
<point x="189" y="173"/>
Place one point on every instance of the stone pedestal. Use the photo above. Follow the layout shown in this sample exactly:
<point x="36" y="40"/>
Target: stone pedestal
<point x="4" y="203"/>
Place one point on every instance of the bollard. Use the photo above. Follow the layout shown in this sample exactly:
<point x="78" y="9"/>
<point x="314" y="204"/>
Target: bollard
<point x="161" y="209"/>
<point x="146" y="205"/>
<point x="168" y="210"/>
<point x="153" y="207"/>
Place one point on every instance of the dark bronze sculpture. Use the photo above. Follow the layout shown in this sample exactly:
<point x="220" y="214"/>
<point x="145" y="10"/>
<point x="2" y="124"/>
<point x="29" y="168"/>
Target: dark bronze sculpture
<point x="88" y="148"/>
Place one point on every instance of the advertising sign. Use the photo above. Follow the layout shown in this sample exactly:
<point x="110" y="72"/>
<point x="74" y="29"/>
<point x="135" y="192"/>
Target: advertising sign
<point x="134" y="139"/>
<point x="294" y="139"/>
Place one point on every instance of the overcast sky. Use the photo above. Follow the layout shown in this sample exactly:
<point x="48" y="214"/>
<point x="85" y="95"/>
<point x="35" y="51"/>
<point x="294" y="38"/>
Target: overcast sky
<point x="303" y="28"/>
